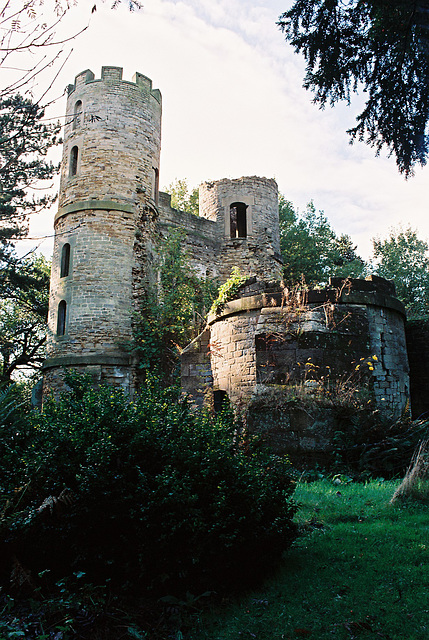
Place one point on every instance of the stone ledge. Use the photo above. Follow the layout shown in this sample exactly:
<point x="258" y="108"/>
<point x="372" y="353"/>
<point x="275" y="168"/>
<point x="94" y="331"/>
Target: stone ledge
<point x="92" y="205"/>
<point x="69" y="361"/>
<point x="374" y="299"/>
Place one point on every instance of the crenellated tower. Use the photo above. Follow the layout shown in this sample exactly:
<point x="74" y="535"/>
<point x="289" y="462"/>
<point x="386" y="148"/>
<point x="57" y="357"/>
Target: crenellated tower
<point x="108" y="193"/>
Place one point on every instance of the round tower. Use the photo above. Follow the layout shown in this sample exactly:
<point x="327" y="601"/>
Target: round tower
<point x="247" y="214"/>
<point x="109" y="185"/>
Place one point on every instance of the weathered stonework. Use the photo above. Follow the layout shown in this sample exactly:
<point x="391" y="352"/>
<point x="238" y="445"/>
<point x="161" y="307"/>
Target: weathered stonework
<point x="267" y="340"/>
<point x="113" y="220"/>
<point x="109" y="229"/>
<point x="109" y="183"/>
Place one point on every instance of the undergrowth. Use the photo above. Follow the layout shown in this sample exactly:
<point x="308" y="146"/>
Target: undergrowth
<point x="145" y="497"/>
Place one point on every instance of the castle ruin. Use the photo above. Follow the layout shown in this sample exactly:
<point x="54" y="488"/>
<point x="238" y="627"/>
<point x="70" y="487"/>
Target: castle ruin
<point x="109" y="217"/>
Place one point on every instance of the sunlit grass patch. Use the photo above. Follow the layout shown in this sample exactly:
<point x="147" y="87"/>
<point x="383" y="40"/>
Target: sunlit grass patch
<point x="359" y="570"/>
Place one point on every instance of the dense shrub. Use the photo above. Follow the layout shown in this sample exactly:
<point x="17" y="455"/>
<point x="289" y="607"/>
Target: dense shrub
<point x="370" y="444"/>
<point x="146" y="493"/>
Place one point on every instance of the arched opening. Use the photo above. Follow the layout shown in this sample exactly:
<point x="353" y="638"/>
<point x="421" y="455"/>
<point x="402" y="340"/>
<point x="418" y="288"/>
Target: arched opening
<point x="65" y="260"/>
<point x="61" y="320"/>
<point x="77" y="114"/>
<point x="74" y="156"/>
<point x="238" y="220"/>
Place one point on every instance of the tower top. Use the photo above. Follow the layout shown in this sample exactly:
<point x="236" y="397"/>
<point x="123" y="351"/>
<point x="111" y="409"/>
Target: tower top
<point x="113" y="75"/>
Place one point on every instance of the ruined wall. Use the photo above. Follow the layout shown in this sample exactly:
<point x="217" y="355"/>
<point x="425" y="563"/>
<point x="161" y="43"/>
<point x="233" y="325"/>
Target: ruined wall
<point x="196" y="371"/>
<point x="200" y="237"/>
<point x="266" y="339"/>
<point x="207" y="237"/>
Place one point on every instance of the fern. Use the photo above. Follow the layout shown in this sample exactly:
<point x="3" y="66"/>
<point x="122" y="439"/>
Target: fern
<point x="8" y="403"/>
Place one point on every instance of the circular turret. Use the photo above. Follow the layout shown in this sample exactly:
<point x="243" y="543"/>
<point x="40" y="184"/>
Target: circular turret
<point x="112" y="140"/>
<point x="247" y="214"/>
<point x="109" y="183"/>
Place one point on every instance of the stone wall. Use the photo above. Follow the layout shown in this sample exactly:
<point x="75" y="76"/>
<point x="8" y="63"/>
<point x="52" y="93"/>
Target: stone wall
<point x="268" y="339"/>
<point x="116" y="126"/>
<point x="259" y="252"/>
<point x="196" y="371"/>
<point x="211" y="250"/>
<point x="233" y="354"/>
<point x="98" y="289"/>
<point x="200" y="237"/>
<point x="118" y="372"/>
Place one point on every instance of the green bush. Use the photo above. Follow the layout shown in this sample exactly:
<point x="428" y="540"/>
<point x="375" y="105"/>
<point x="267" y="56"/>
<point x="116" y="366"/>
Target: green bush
<point x="145" y="493"/>
<point x="369" y="444"/>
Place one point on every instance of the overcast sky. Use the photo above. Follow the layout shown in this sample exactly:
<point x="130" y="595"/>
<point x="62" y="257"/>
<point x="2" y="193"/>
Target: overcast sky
<point x="233" y="105"/>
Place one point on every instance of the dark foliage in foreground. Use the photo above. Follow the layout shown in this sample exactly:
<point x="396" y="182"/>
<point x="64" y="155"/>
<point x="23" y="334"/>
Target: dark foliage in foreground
<point x="144" y="494"/>
<point x="370" y="445"/>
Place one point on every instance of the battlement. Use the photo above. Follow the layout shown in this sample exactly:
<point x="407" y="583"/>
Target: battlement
<point x="113" y="75"/>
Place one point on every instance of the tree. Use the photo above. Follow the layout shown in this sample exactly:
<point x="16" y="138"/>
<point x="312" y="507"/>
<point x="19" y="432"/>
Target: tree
<point x="24" y="289"/>
<point x="28" y="46"/>
<point x="25" y="140"/>
<point x="150" y="495"/>
<point x="311" y="249"/>
<point x="380" y="47"/>
<point x="182" y="198"/>
<point x="403" y="258"/>
<point x="28" y="39"/>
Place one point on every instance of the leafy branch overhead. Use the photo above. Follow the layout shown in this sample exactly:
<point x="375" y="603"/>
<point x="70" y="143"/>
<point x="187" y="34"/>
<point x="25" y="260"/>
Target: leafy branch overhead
<point x="378" y="47"/>
<point x="25" y="140"/>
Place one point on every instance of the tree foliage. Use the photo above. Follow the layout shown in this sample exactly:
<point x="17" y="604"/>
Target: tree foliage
<point x="25" y="140"/>
<point x="182" y="197"/>
<point x="24" y="289"/>
<point x="311" y="250"/>
<point x="173" y="312"/>
<point x="29" y="45"/>
<point x="380" y="47"/>
<point x="403" y="257"/>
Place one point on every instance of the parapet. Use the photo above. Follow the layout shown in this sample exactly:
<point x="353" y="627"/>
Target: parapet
<point x="371" y="284"/>
<point x="112" y="75"/>
<point x="257" y="294"/>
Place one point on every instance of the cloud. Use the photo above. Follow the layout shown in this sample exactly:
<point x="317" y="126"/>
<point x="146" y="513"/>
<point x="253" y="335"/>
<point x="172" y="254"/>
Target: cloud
<point x="233" y="104"/>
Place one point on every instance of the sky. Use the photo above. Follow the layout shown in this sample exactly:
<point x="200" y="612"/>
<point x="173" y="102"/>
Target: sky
<point x="233" y="105"/>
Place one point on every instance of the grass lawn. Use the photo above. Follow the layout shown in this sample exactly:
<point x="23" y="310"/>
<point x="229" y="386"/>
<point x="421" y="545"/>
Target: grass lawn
<point x="359" y="570"/>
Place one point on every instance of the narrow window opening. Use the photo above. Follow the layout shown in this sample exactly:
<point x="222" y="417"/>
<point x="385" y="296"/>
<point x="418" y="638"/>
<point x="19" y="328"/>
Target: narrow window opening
<point x="74" y="155"/>
<point x="77" y="114"/>
<point x="65" y="261"/>
<point x="61" y="320"/>
<point x="220" y="399"/>
<point x="238" y="220"/>
<point x="155" y="185"/>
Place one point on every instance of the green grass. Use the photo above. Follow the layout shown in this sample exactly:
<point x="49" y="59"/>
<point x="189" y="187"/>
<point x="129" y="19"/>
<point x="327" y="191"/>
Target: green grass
<point x="359" y="570"/>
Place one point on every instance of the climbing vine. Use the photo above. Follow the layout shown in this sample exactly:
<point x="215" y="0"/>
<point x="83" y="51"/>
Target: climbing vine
<point x="229" y="290"/>
<point x="172" y="312"/>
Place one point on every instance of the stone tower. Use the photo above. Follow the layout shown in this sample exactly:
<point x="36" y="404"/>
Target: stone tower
<point x="246" y="212"/>
<point x="108" y="194"/>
